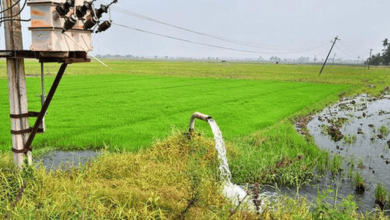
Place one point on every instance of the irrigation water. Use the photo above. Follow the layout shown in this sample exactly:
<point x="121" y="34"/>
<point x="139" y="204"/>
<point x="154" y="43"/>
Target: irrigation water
<point x="232" y="191"/>
<point x="56" y="160"/>
<point x="357" y="129"/>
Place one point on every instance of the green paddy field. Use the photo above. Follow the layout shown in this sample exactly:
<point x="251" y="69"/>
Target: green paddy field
<point x="138" y="110"/>
<point x="129" y="104"/>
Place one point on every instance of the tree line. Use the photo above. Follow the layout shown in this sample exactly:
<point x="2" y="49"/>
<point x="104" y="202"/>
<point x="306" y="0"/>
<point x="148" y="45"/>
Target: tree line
<point x="381" y="58"/>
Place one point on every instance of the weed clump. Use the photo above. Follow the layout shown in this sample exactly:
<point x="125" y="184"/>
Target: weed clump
<point x="359" y="182"/>
<point x="177" y="178"/>
<point x="335" y="133"/>
<point x="350" y="139"/>
<point x="384" y="130"/>
<point x="380" y="195"/>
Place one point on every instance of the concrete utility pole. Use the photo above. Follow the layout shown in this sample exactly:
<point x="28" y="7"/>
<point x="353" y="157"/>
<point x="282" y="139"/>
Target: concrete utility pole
<point x="369" y="59"/>
<point x="16" y="82"/>
<point x="334" y="57"/>
<point x="330" y="51"/>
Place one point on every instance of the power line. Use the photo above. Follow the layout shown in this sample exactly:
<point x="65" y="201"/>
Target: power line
<point x="203" y="44"/>
<point x="351" y="51"/>
<point x="345" y="53"/>
<point x="244" y="43"/>
<point x="2" y="11"/>
<point x="11" y="18"/>
<point x="184" y="40"/>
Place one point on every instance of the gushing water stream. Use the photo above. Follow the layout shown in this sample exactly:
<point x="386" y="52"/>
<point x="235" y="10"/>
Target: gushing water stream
<point x="221" y="149"/>
<point x="232" y="191"/>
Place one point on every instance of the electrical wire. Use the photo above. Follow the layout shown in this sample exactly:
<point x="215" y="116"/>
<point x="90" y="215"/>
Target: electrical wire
<point x="203" y="44"/>
<point x="1" y="13"/>
<point x="243" y="43"/>
<point x="88" y="50"/>
<point x="14" y="15"/>
<point x="11" y="18"/>
<point x="349" y="50"/>
<point x="9" y="8"/>
<point x="345" y="53"/>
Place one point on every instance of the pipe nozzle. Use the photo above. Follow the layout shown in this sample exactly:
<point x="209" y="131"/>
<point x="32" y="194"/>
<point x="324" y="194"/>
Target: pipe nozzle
<point x="197" y="115"/>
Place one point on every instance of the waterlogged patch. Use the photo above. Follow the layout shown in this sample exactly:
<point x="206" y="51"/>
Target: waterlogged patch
<point x="66" y="159"/>
<point x="358" y="129"/>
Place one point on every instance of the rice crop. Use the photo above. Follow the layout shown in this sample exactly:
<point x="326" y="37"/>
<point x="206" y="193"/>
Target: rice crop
<point x="129" y="111"/>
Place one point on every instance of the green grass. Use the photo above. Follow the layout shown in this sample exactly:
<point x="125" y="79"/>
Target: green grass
<point x="275" y="154"/>
<point x="129" y="111"/>
<point x="354" y="75"/>
<point x="176" y="179"/>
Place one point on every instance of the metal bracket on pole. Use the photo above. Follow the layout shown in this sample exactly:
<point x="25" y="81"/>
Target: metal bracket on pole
<point x="42" y="126"/>
<point x="45" y="106"/>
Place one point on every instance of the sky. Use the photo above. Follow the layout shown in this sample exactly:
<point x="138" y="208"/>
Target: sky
<point x="283" y="28"/>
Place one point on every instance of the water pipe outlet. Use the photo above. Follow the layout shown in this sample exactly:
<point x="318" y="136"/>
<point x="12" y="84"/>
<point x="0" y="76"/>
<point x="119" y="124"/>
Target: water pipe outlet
<point x="197" y="115"/>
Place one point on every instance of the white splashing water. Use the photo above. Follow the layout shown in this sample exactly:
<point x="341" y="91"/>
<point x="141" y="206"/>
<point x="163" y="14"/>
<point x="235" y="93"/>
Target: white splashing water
<point x="221" y="149"/>
<point x="232" y="191"/>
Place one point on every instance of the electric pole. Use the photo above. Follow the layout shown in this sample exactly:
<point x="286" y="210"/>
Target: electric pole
<point x="369" y="59"/>
<point x="330" y="51"/>
<point x="334" y="57"/>
<point x="16" y="82"/>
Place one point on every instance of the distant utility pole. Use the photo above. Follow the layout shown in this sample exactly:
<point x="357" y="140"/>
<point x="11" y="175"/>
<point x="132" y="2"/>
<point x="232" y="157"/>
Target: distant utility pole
<point x="334" y="57"/>
<point x="16" y="82"/>
<point x="330" y="51"/>
<point x="369" y="59"/>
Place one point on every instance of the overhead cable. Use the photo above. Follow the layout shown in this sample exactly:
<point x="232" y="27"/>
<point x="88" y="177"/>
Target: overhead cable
<point x="345" y="53"/>
<point x="248" y="44"/>
<point x="204" y="44"/>
<point x="11" y="18"/>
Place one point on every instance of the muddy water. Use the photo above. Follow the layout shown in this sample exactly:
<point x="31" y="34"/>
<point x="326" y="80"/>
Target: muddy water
<point x="360" y="132"/>
<point x="55" y="160"/>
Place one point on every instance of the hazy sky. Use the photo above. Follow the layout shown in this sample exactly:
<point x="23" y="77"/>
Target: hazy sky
<point x="275" y="26"/>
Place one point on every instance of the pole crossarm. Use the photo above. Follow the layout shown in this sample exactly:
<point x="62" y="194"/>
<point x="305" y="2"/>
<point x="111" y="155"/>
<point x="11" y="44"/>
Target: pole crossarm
<point x="48" y="57"/>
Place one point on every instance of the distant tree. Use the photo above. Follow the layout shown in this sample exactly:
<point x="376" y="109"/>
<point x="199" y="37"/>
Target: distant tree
<point x="339" y="60"/>
<point x="385" y="43"/>
<point x="376" y="59"/>
<point x="384" y="58"/>
<point x="275" y="58"/>
<point x="303" y="59"/>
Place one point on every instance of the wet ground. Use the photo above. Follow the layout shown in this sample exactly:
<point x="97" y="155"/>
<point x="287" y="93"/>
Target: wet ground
<point x="357" y="129"/>
<point x="55" y="160"/>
